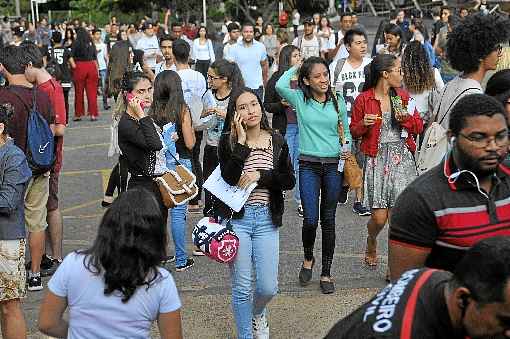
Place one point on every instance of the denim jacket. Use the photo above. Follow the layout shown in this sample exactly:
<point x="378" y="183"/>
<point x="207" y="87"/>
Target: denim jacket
<point x="14" y="176"/>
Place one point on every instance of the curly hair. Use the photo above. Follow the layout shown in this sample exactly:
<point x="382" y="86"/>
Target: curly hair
<point x="418" y="75"/>
<point x="474" y="39"/>
<point x="130" y="244"/>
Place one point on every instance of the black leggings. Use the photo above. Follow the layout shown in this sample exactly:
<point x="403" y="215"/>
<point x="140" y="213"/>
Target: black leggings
<point x="118" y="178"/>
<point x="196" y="166"/>
<point x="210" y="163"/>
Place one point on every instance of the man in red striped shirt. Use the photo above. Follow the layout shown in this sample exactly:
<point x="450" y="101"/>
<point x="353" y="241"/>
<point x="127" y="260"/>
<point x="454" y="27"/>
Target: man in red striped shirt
<point x="473" y="302"/>
<point x="463" y="200"/>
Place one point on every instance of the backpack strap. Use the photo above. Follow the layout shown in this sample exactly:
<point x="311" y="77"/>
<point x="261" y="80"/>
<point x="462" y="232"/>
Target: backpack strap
<point x="451" y="105"/>
<point x="338" y="68"/>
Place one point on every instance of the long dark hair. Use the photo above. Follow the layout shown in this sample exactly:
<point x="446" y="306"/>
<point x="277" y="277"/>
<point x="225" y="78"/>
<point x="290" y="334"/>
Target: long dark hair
<point x="130" y="244"/>
<point x="417" y="71"/>
<point x="168" y="101"/>
<point x="305" y="71"/>
<point x="395" y="30"/>
<point x="120" y="61"/>
<point x="373" y="74"/>
<point x="83" y="42"/>
<point x="227" y="127"/>
<point x="285" y="58"/>
<point x="420" y="26"/>
<point x="229" y="70"/>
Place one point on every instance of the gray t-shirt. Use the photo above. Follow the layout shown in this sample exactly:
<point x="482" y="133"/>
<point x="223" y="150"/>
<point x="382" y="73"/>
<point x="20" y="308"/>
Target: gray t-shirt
<point x="92" y="314"/>
<point x="451" y="94"/>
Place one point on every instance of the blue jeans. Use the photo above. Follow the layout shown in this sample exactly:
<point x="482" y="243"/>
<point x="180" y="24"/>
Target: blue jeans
<point x="177" y="224"/>
<point x="102" y="79"/>
<point x="292" y="138"/>
<point x="259" y="251"/>
<point x="319" y="179"/>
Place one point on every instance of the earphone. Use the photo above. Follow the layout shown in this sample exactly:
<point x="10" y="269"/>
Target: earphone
<point x="452" y="140"/>
<point x="465" y="301"/>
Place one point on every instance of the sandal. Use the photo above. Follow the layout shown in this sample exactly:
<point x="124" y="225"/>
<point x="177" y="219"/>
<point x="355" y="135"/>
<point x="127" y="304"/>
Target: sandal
<point x="371" y="254"/>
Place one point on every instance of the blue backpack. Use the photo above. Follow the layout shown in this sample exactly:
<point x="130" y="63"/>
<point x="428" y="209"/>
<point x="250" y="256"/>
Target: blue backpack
<point x="40" y="143"/>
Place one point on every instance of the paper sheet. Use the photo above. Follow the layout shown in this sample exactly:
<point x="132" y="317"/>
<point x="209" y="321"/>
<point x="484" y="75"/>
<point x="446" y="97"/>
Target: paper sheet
<point x="233" y="196"/>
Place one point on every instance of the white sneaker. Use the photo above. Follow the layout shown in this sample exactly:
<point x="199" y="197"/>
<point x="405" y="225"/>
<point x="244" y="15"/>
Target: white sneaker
<point x="260" y="327"/>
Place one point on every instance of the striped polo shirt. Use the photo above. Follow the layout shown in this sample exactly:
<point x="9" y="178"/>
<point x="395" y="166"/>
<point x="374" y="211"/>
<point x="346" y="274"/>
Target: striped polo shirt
<point x="446" y="217"/>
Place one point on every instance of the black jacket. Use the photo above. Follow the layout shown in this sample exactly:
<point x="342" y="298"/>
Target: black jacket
<point x="273" y="104"/>
<point x="280" y="178"/>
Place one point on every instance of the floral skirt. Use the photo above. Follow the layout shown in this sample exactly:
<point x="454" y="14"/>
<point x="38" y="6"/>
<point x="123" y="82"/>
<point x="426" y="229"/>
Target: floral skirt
<point x="388" y="174"/>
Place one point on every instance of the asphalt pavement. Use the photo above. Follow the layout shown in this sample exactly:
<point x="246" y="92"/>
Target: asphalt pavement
<point x="296" y="312"/>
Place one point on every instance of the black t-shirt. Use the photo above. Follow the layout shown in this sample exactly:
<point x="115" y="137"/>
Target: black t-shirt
<point x="85" y="52"/>
<point x="412" y="308"/>
<point x="61" y="55"/>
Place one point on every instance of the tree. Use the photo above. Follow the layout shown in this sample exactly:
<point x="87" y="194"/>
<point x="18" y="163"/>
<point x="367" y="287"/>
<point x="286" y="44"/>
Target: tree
<point x="266" y="8"/>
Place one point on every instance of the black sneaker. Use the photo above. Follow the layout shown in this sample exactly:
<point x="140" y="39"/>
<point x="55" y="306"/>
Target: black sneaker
<point x="361" y="210"/>
<point x="305" y="274"/>
<point x="35" y="283"/>
<point x="327" y="287"/>
<point x="189" y="263"/>
<point x="344" y="195"/>
<point x="168" y="259"/>
<point x="300" y="211"/>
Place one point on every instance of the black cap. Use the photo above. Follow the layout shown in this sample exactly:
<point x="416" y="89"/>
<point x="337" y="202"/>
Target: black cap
<point x="308" y="20"/>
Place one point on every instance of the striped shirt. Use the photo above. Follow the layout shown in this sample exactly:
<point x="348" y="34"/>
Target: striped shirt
<point x="259" y="159"/>
<point x="447" y="218"/>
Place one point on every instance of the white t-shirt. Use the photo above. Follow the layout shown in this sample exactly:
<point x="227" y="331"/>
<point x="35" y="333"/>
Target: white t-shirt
<point x="193" y="86"/>
<point x="162" y="67"/>
<point x="295" y="19"/>
<point x="92" y="314"/>
<point x="342" y="52"/>
<point x="149" y="45"/>
<point x="202" y="52"/>
<point x="312" y="47"/>
<point x="101" y="50"/>
<point x="350" y="81"/>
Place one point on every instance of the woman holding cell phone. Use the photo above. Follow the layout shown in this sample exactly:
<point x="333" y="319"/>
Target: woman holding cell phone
<point x="250" y="152"/>
<point x="387" y="121"/>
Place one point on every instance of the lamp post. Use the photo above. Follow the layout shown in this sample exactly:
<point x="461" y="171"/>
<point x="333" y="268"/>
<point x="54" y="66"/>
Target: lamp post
<point x="204" y="8"/>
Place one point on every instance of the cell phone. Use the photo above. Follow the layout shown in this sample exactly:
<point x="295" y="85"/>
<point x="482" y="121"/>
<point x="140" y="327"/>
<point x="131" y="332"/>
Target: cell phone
<point x="131" y="96"/>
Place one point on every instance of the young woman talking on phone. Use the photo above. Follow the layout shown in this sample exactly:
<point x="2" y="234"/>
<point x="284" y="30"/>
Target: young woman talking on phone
<point x="386" y="121"/>
<point x="250" y="152"/>
<point x="139" y="140"/>
<point x="320" y="117"/>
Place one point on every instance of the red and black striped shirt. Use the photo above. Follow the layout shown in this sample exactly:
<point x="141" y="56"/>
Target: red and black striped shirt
<point x="448" y="218"/>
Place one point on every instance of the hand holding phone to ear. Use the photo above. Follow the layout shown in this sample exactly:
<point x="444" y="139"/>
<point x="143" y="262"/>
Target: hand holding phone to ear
<point x="239" y="128"/>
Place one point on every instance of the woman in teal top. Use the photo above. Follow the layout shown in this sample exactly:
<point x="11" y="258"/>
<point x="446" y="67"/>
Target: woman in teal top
<point x="319" y="115"/>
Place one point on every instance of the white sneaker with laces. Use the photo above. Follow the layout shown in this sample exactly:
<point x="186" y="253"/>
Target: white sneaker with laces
<point x="260" y="327"/>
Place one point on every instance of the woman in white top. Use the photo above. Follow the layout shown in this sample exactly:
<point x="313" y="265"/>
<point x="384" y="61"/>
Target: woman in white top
<point x="116" y="288"/>
<point x="326" y="34"/>
<point x="202" y="52"/>
<point x="420" y="79"/>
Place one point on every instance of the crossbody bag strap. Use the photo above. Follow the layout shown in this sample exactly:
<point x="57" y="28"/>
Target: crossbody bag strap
<point x="454" y="101"/>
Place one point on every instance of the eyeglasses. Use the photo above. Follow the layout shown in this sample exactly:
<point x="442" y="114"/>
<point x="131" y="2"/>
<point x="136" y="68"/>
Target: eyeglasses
<point x="210" y="77"/>
<point x="398" y="70"/>
<point x="501" y="140"/>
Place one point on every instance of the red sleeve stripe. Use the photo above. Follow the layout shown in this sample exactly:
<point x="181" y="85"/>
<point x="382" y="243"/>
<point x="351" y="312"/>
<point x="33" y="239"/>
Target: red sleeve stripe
<point x="407" y="323"/>
<point x="416" y="247"/>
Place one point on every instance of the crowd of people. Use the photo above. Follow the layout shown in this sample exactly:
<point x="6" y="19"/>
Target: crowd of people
<point x="418" y="131"/>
